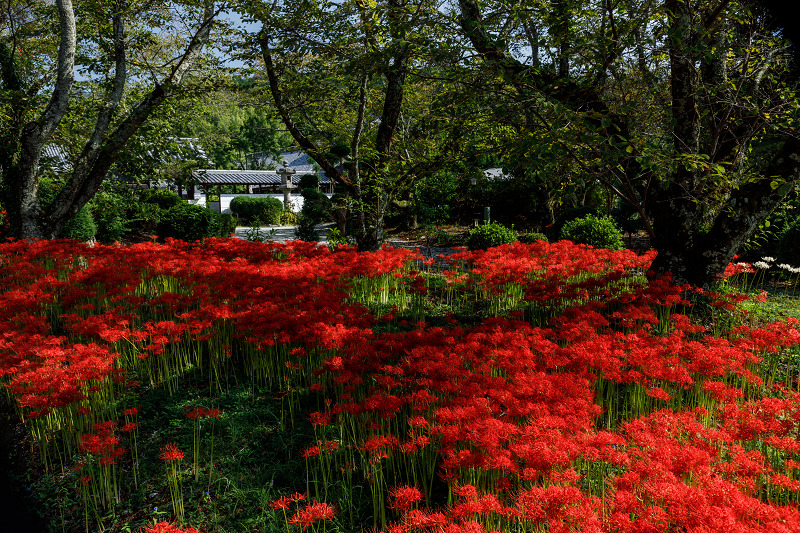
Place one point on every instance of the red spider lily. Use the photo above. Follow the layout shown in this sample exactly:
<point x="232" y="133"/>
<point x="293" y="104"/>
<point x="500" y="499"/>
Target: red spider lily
<point x="595" y="404"/>
<point x="404" y="496"/>
<point x="311" y="451"/>
<point x="284" y="502"/>
<point x="171" y="453"/>
<point x="313" y="512"/>
<point x="166" y="527"/>
<point x="195" y="413"/>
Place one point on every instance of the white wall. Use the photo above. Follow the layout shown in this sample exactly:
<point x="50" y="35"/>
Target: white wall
<point x="200" y="199"/>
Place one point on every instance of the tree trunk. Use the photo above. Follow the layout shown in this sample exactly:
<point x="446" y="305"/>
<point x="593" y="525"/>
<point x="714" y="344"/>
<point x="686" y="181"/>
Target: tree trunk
<point x="20" y="174"/>
<point x="374" y="192"/>
<point x="366" y="185"/>
<point x="699" y="258"/>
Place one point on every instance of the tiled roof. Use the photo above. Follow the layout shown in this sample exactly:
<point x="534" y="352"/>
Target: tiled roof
<point x="246" y="177"/>
<point x="180" y="148"/>
<point x="496" y="174"/>
<point x="298" y="161"/>
<point x="55" y="157"/>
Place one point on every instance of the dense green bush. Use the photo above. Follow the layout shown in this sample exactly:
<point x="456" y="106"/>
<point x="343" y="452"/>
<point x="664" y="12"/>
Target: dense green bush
<point x="600" y="232"/>
<point x="81" y="226"/>
<point x="316" y="209"/>
<point x="163" y="198"/>
<point x="223" y="225"/>
<point x="493" y="234"/>
<point x="267" y="209"/>
<point x="109" y="208"/>
<point x="566" y="215"/>
<point x="438" y="196"/>
<point x="529" y="238"/>
<point x="143" y="219"/>
<point x="187" y="222"/>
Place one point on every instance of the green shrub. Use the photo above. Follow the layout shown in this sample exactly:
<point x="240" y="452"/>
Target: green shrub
<point x="187" y="222"/>
<point x="316" y="209"/>
<point x="490" y="235"/>
<point x="289" y="219"/>
<point x="223" y="225"/>
<point x="600" y="232"/>
<point x="81" y="226"/>
<point x="143" y="220"/>
<point x="572" y="213"/>
<point x="109" y="209"/>
<point x="530" y="238"/>
<point x="163" y="198"/>
<point x="268" y="210"/>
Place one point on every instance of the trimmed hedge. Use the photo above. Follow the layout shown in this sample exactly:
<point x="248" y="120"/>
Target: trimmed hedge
<point x="268" y="210"/>
<point x="223" y="225"/>
<point x="490" y="235"/>
<point x="600" y="232"/>
<point x="186" y="222"/>
<point x="567" y="215"/>
<point x="530" y="238"/>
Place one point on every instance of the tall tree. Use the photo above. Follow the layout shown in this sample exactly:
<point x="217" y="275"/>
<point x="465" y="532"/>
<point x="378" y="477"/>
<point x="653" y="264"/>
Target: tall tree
<point x="122" y="50"/>
<point x="337" y="73"/>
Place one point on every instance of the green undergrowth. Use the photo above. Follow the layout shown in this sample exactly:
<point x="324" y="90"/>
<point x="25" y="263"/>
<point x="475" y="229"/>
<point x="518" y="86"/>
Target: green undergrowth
<point x="255" y="458"/>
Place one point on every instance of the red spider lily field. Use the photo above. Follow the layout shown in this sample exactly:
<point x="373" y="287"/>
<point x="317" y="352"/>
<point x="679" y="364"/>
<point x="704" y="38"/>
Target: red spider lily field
<point x="241" y="386"/>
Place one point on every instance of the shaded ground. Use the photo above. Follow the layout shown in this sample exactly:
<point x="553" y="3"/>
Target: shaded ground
<point x="432" y="242"/>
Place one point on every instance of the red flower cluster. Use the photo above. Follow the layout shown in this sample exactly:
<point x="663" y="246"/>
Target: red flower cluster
<point x="102" y="443"/>
<point x="312" y="513"/>
<point x="171" y="453"/>
<point x="200" y="412"/>
<point x="166" y="527"/>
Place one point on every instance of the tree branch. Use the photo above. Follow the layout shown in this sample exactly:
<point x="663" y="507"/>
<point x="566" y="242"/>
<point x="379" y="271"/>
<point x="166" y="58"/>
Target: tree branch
<point x="277" y="96"/>
<point x="40" y="131"/>
<point x="86" y="180"/>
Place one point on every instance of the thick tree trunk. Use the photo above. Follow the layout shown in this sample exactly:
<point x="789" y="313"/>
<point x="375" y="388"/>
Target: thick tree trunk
<point x="20" y="174"/>
<point x="699" y="258"/>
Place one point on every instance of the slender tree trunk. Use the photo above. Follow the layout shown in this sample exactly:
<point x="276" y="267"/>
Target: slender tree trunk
<point x="375" y="196"/>
<point x="355" y="145"/>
